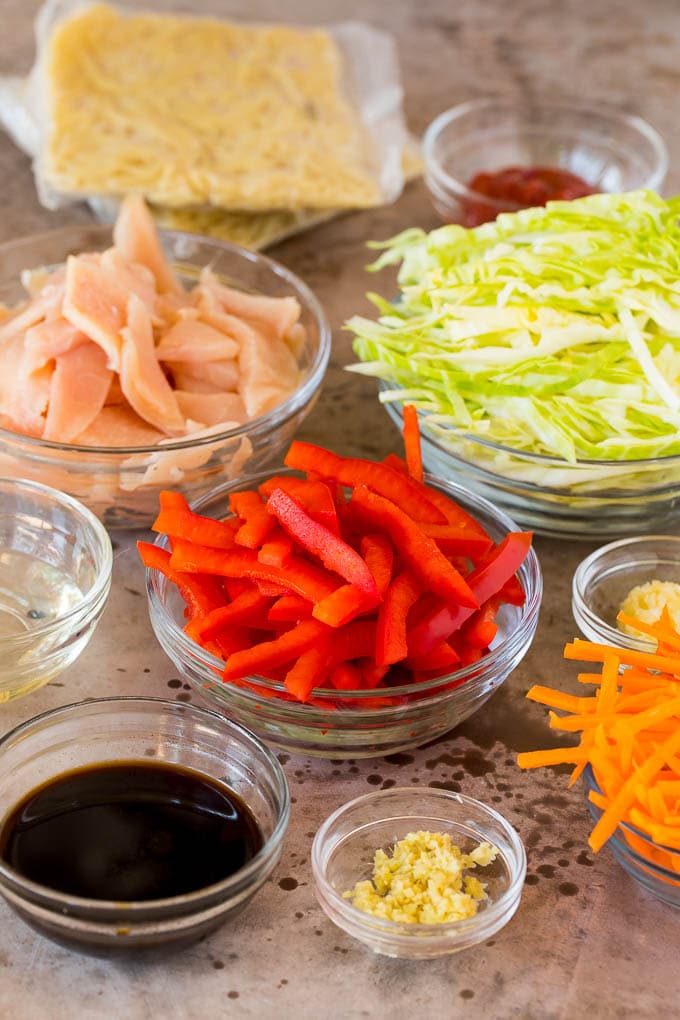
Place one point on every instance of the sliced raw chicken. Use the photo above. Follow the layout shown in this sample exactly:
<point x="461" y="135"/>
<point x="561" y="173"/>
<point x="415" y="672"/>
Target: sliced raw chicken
<point x="48" y="340"/>
<point x="118" y="426"/>
<point x="269" y="373"/>
<point x="94" y="304"/>
<point x="46" y="303"/>
<point x="78" y="389"/>
<point x="195" y="341"/>
<point x="23" y="396"/>
<point x="115" y="394"/>
<point x="211" y="408"/>
<point x="135" y="235"/>
<point x="211" y="311"/>
<point x="208" y="377"/>
<point x="275" y="314"/>
<point x="141" y="377"/>
<point x="130" y="277"/>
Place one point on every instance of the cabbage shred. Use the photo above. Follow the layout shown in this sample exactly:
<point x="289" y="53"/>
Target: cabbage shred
<point x="551" y="330"/>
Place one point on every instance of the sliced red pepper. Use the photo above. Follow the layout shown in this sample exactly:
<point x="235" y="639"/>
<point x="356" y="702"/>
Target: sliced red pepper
<point x="442" y="657"/>
<point x="310" y="670"/>
<point x="454" y="513"/>
<point x="315" y="498"/>
<point x="290" y="609"/>
<point x="255" y="521"/>
<point x="178" y="521"/>
<point x="344" y="604"/>
<point x="372" y="673"/>
<point x="354" y="641"/>
<point x="418" y="551"/>
<point x="345" y="677"/>
<point x="235" y="586"/>
<point x="277" y="549"/>
<point x="411" y="436"/>
<point x="378" y="553"/>
<point x="441" y="622"/>
<point x="248" y="608"/>
<point x="301" y="577"/>
<point x="456" y="541"/>
<point x="320" y="542"/>
<point x="390" y="637"/>
<point x="396" y="462"/>
<point x="379" y="478"/>
<point x="201" y="594"/>
<point x="480" y="630"/>
<point x="268" y="654"/>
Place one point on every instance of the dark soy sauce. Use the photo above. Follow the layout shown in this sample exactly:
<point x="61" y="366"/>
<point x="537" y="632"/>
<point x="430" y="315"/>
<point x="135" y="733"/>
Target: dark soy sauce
<point x="129" y="831"/>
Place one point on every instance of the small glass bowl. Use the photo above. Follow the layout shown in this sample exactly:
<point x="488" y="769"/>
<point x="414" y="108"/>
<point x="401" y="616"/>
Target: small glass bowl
<point x="343" y="850"/>
<point x="610" y="150"/>
<point x="121" y="484"/>
<point x="603" y="579"/>
<point x="417" y="712"/>
<point x="656" y="868"/>
<point x="55" y="576"/>
<point x="141" y="729"/>
<point x="587" y="500"/>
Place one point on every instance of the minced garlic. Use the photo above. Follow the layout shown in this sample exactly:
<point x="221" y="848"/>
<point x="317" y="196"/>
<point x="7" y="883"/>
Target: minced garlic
<point x="423" y="881"/>
<point x="646" y="602"/>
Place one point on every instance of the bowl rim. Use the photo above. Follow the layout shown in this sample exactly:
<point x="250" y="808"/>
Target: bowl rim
<point x="438" y="685"/>
<point x="591" y="783"/>
<point x="394" y="409"/>
<point x="440" y="123"/>
<point x="591" y="564"/>
<point x="516" y="862"/>
<point x="263" y="423"/>
<point x="98" y="537"/>
<point x="133" y="908"/>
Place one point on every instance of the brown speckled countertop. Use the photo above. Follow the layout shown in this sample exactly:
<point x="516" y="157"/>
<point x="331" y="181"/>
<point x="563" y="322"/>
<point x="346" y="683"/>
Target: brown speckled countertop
<point x="586" y="941"/>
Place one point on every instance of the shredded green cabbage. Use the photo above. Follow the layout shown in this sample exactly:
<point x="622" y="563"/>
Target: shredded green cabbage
<point x="551" y="331"/>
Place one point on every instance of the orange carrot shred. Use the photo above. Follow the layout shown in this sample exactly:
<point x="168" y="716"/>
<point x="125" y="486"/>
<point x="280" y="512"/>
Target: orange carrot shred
<point x="411" y="436"/>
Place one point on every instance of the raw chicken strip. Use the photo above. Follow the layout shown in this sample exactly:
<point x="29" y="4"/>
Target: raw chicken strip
<point x="135" y="235"/>
<point x="78" y="389"/>
<point x="269" y="373"/>
<point x="277" y="315"/>
<point x="95" y="305"/>
<point x="195" y="341"/>
<point x="46" y="303"/>
<point x="118" y="426"/>
<point x="141" y="378"/>
<point x="48" y="340"/>
<point x="23" y="396"/>
<point x="212" y="377"/>
<point x="212" y="408"/>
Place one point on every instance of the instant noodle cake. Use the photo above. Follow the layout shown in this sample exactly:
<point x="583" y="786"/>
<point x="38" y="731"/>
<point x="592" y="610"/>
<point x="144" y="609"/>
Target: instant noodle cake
<point x="195" y="112"/>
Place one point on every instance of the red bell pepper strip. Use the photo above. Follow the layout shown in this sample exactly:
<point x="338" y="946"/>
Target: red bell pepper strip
<point x="299" y="576"/>
<point x="442" y="657"/>
<point x="411" y="437"/>
<point x="320" y="542"/>
<point x="480" y="630"/>
<point x="345" y="677"/>
<point x="272" y="589"/>
<point x="454" y="513"/>
<point x="235" y="586"/>
<point x="261" y="658"/>
<point x="315" y="498"/>
<point x="248" y="608"/>
<point x="310" y="670"/>
<point x="354" y="641"/>
<point x="255" y="521"/>
<point x="178" y="521"/>
<point x="390" y="635"/>
<point x="289" y="609"/>
<point x="201" y="594"/>
<point x="378" y="553"/>
<point x="456" y="541"/>
<point x="398" y="463"/>
<point x="372" y="673"/>
<point x="344" y="604"/>
<point x="277" y="549"/>
<point x="418" y="551"/>
<point x="440" y="623"/>
<point x="379" y="478"/>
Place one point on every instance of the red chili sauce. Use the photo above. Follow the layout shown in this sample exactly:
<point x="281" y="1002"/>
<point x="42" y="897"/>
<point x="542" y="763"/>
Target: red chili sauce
<point x="519" y="187"/>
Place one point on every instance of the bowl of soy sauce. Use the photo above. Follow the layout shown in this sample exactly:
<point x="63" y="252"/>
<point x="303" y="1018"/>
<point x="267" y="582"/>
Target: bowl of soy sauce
<point x="134" y="823"/>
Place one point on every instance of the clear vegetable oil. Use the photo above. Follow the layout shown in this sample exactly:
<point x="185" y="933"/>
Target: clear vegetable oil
<point x="32" y="593"/>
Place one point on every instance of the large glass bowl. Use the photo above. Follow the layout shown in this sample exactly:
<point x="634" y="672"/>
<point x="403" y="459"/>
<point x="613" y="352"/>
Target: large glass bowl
<point x="55" y="576"/>
<point x="589" y="499"/>
<point x="422" y="711"/>
<point x="141" y="729"/>
<point x="610" y="150"/>
<point x="343" y="850"/>
<point x="654" y="867"/>
<point x="121" y="484"/>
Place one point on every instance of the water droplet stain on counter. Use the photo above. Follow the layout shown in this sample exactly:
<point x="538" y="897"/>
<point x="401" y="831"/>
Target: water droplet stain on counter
<point x="567" y="889"/>
<point x="288" y="884"/>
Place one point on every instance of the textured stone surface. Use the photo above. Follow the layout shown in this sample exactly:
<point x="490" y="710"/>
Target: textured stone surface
<point x="586" y="941"/>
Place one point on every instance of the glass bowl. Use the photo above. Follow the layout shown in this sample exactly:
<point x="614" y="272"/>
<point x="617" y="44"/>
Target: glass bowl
<point x="141" y="729"/>
<point x="610" y="150"/>
<point x="342" y="854"/>
<point x="121" y="484"/>
<point x="654" y="867"/>
<point x="603" y="579"/>
<point x="420" y="712"/>
<point x="55" y="575"/>
<point x="589" y="499"/>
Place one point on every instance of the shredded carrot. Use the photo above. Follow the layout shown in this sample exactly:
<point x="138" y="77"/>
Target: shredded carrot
<point x="629" y="736"/>
<point x="411" y="437"/>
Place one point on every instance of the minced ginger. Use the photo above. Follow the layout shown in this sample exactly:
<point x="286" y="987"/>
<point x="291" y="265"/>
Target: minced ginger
<point x="646" y="602"/>
<point x="423" y="881"/>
